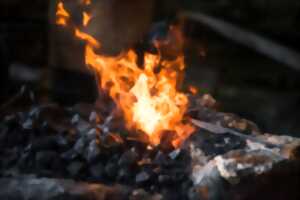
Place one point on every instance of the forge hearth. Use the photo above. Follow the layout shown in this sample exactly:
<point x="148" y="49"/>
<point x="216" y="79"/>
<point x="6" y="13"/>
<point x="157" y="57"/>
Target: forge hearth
<point x="144" y="137"/>
<point x="51" y="152"/>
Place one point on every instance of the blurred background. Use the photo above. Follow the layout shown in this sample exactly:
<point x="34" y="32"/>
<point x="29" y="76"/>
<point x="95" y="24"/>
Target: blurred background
<point x="244" y="80"/>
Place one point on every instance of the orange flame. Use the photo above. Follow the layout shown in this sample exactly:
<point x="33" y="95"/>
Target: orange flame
<point x="147" y="95"/>
<point x="86" y="18"/>
<point x="62" y="16"/>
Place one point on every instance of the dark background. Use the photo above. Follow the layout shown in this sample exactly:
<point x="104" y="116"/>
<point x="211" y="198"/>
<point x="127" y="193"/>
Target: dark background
<point x="243" y="81"/>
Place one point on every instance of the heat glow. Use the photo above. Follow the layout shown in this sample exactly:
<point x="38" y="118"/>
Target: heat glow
<point x="147" y="95"/>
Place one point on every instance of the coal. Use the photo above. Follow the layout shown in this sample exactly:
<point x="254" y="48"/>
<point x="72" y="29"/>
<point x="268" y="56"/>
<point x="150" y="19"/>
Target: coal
<point x="69" y="155"/>
<point x="83" y="126"/>
<point x="75" y="119"/>
<point x="92" y="134"/>
<point x="128" y="158"/>
<point x="97" y="171"/>
<point x="49" y="143"/>
<point x="80" y="146"/>
<point x="93" y="151"/>
<point x="74" y="168"/>
<point x="28" y="124"/>
<point x="11" y="155"/>
<point x="174" y="154"/>
<point x="111" y="170"/>
<point x="94" y="117"/>
<point x="46" y="159"/>
<point x="160" y="159"/>
<point x="142" y="177"/>
<point x="207" y="163"/>
<point x="164" y="179"/>
<point x="125" y="175"/>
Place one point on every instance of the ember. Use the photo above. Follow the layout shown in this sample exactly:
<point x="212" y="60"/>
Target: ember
<point x="148" y="99"/>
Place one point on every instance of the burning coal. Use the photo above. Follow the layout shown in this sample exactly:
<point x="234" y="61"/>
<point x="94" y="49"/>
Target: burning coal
<point x="147" y="95"/>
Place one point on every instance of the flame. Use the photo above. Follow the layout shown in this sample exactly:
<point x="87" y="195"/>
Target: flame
<point x="147" y="95"/>
<point x="62" y="16"/>
<point x="86" y="18"/>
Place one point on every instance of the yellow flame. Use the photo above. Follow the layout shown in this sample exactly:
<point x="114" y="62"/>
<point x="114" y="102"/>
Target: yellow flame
<point x="147" y="95"/>
<point x="86" y="18"/>
<point x="62" y="15"/>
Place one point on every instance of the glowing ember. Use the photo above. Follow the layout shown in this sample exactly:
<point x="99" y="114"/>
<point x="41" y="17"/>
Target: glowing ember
<point x="147" y="95"/>
<point x="193" y="90"/>
<point x="86" y="2"/>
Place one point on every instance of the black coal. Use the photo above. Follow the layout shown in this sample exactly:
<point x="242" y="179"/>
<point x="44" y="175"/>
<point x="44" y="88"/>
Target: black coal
<point x="85" y="144"/>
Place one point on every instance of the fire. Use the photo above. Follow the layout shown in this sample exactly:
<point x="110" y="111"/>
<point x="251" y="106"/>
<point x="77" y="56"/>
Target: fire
<point x="147" y="95"/>
<point x="86" y="18"/>
<point x="62" y="15"/>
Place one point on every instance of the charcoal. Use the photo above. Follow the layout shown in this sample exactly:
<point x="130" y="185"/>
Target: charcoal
<point x="97" y="170"/>
<point x="94" y="117"/>
<point x="3" y="132"/>
<point x="92" y="134"/>
<point x="69" y="155"/>
<point x="48" y="143"/>
<point x="142" y="177"/>
<point x="111" y="169"/>
<point x="45" y="159"/>
<point x="128" y="158"/>
<point x="11" y="156"/>
<point x="11" y="172"/>
<point x="160" y="159"/>
<point x="10" y="118"/>
<point x="164" y="179"/>
<point x="174" y="154"/>
<point x="124" y="175"/>
<point x="80" y="145"/>
<point x="83" y="126"/>
<point x="75" y="119"/>
<point x="25" y="161"/>
<point x="61" y="141"/>
<point x="35" y="112"/>
<point x="74" y="168"/>
<point x="28" y="124"/>
<point x="92" y="151"/>
<point x="207" y="166"/>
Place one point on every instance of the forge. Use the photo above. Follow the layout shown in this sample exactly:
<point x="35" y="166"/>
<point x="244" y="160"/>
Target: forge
<point x="144" y="138"/>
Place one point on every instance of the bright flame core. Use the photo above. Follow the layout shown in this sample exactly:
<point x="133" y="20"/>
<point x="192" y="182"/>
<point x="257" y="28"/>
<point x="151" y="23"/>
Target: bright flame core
<point x="147" y="95"/>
